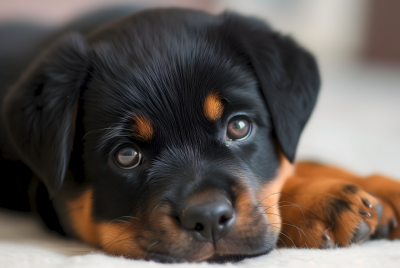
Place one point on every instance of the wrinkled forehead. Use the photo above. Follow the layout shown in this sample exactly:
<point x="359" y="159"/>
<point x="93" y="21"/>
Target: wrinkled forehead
<point x="178" y="88"/>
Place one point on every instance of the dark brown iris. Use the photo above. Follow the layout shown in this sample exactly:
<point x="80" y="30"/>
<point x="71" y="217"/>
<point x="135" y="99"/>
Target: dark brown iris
<point x="238" y="129"/>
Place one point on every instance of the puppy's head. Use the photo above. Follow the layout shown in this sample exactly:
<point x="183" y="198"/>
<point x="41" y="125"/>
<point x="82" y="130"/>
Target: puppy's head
<point x="169" y="133"/>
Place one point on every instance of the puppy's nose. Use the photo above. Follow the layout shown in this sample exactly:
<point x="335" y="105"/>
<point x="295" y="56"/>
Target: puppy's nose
<point x="208" y="220"/>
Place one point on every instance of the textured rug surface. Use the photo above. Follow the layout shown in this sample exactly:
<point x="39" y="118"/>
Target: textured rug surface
<point x="370" y="254"/>
<point x="355" y="125"/>
<point x="25" y="244"/>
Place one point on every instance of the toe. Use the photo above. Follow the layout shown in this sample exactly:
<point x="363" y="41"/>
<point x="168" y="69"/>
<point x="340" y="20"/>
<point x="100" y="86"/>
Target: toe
<point x="361" y="234"/>
<point x="379" y="209"/>
<point x="381" y="232"/>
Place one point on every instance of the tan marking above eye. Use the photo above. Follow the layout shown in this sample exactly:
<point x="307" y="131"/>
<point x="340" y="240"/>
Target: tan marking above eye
<point x="142" y="128"/>
<point x="213" y="106"/>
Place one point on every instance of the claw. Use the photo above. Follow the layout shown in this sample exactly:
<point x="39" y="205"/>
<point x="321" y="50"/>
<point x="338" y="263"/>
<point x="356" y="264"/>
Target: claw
<point x="367" y="203"/>
<point x="393" y="223"/>
<point x="328" y="242"/>
<point x="326" y="237"/>
<point x="365" y="213"/>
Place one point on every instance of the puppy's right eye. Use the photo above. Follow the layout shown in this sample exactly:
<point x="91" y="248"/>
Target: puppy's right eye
<point x="238" y="129"/>
<point x="127" y="158"/>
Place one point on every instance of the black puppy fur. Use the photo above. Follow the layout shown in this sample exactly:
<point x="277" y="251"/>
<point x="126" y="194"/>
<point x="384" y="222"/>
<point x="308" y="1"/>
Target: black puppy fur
<point x="70" y="111"/>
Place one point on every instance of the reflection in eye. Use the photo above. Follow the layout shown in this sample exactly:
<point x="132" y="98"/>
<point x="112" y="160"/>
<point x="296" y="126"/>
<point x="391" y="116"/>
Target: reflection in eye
<point x="238" y="129"/>
<point x="127" y="158"/>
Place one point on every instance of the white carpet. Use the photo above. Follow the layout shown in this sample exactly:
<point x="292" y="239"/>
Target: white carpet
<point x="25" y="244"/>
<point x="371" y="254"/>
<point x="356" y="125"/>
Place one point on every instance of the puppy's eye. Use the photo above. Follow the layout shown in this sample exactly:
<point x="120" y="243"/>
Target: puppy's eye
<point x="238" y="129"/>
<point x="127" y="158"/>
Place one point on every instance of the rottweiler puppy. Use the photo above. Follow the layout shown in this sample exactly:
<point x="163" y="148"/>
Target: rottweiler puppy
<point x="170" y="135"/>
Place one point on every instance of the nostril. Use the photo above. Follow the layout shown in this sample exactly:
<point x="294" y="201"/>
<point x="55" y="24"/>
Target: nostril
<point x="223" y="219"/>
<point x="208" y="220"/>
<point x="199" y="227"/>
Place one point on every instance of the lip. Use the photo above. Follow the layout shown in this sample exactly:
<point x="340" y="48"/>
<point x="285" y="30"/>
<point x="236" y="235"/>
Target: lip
<point x="216" y="258"/>
<point x="224" y="258"/>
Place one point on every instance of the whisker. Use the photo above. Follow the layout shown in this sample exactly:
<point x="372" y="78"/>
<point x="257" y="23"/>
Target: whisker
<point x="129" y="227"/>
<point x="131" y="237"/>
<point x="287" y="236"/>
<point x="287" y="220"/>
<point x="266" y="198"/>
<point x="282" y="230"/>
<point x="302" y="205"/>
<point x="300" y="208"/>
<point x="155" y="208"/>
<point x="299" y="229"/>
<point x="275" y="248"/>
<point x="102" y="129"/>
<point x="103" y="246"/>
<point x="292" y="204"/>
<point x="282" y="240"/>
<point x="120" y="221"/>
<point x="330" y="226"/>
<point x="144" y="257"/>
<point x="130" y="217"/>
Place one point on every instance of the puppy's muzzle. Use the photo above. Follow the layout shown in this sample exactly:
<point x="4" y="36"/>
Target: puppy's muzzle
<point x="208" y="219"/>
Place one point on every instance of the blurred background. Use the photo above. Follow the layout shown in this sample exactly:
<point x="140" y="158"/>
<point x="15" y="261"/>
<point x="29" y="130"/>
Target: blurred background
<point x="356" y="122"/>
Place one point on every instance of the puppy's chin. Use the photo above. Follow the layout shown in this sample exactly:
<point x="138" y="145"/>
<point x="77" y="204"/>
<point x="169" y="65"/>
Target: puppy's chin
<point x="221" y="258"/>
<point x="211" y="253"/>
<point x="216" y="258"/>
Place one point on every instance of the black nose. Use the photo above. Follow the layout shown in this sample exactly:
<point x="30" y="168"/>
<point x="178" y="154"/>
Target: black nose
<point x="210" y="220"/>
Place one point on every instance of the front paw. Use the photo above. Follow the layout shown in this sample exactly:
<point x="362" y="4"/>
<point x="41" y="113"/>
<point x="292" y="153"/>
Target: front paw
<point x="326" y="213"/>
<point x="387" y="192"/>
<point x="387" y="225"/>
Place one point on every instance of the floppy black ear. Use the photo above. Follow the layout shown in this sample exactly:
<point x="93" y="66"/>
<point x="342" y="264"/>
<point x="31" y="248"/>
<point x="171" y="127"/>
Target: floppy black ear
<point x="288" y="76"/>
<point x="40" y="109"/>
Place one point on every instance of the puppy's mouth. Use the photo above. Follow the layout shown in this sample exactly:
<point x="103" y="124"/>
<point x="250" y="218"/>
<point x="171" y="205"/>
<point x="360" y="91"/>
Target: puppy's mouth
<point x="224" y="258"/>
<point x="216" y="258"/>
<point x="228" y="234"/>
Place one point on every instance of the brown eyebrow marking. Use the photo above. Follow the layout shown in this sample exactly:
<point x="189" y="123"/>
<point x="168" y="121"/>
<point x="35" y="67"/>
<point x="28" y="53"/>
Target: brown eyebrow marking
<point x="142" y="128"/>
<point x="213" y="106"/>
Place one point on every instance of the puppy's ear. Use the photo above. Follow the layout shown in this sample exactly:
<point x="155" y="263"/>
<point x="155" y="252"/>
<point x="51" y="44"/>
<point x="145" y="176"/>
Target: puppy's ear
<point x="288" y="76"/>
<point x="40" y="109"/>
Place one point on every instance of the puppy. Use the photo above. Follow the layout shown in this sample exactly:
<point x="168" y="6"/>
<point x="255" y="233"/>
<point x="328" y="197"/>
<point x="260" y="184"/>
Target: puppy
<point x="170" y="135"/>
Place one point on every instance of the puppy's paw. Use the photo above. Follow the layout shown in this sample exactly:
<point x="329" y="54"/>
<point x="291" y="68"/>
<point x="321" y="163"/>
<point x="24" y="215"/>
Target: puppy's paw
<point x="327" y="213"/>
<point x="387" y="225"/>
<point x="387" y="191"/>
